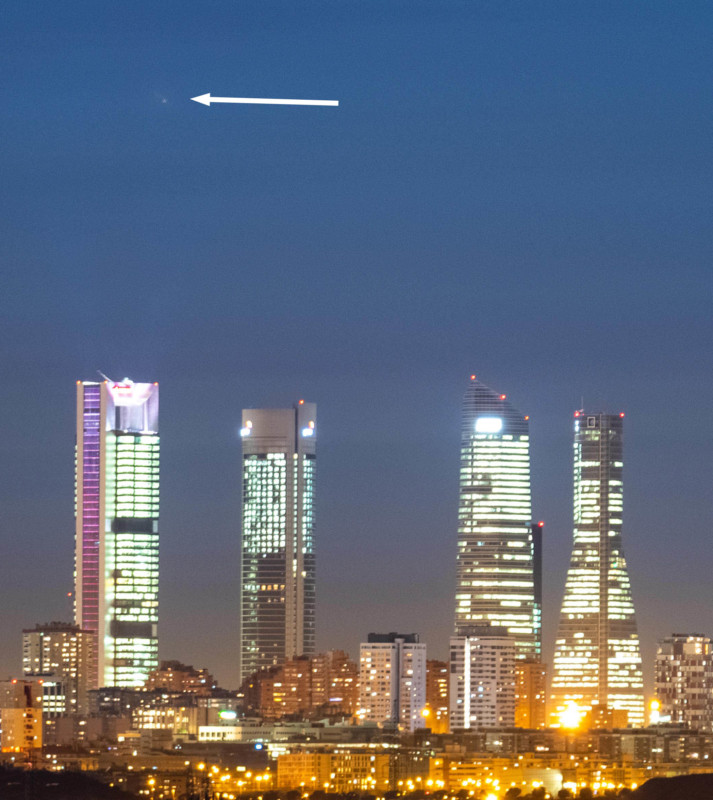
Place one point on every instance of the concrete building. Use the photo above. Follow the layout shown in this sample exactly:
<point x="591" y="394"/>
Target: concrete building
<point x="64" y="654"/>
<point x="277" y="583"/>
<point x="684" y="680"/>
<point x="597" y="657"/>
<point x="20" y="716"/>
<point x="173" y="676"/>
<point x="437" y="696"/>
<point x="392" y="680"/>
<point x="482" y="685"/>
<point x="530" y="693"/>
<point x="117" y="502"/>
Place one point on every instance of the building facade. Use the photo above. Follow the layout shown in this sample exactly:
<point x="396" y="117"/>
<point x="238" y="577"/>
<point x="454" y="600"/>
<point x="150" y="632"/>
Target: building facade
<point x="277" y="588"/>
<point x="482" y="685"/>
<point x="437" y="695"/>
<point x="684" y="681"/>
<point x="117" y="508"/>
<point x="530" y="693"/>
<point x="597" y="657"/>
<point x="64" y="652"/>
<point x="392" y="680"/>
<point x="496" y="550"/>
<point x="20" y="716"/>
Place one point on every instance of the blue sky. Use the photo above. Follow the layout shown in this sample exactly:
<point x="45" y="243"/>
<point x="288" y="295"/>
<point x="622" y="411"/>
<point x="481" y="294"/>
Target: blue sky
<point x="520" y="190"/>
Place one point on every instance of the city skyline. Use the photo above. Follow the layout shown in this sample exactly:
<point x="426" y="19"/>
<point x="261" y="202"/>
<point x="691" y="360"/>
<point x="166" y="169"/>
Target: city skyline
<point x="278" y="430"/>
<point x="516" y="191"/>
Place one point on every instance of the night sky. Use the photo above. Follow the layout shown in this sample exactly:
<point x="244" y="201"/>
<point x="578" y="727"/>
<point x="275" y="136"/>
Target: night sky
<point x="520" y="190"/>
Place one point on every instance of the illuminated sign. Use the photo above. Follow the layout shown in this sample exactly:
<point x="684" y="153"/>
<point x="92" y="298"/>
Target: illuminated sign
<point x="228" y="714"/>
<point x="488" y="425"/>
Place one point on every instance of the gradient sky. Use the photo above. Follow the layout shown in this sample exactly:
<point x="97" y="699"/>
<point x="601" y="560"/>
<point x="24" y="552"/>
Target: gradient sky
<point x="520" y="190"/>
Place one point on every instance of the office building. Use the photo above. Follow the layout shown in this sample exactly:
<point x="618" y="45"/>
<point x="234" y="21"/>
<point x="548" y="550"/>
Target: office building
<point x="117" y="502"/>
<point x="496" y="550"/>
<point x="482" y="685"/>
<point x="62" y="653"/>
<point x="684" y="681"/>
<point x="392" y="680"/>
<point x="597" y="658"/>
<point x="277" y="589"/>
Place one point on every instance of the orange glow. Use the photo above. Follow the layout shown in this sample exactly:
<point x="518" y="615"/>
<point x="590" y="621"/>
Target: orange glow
<point x="527" y="417"/>
<point x="576" y="413"/>
<point x="472" y="377"/>
<point x="503" y="396"/>
<point x="302" y="402"/>
<point x="622" y="415"/>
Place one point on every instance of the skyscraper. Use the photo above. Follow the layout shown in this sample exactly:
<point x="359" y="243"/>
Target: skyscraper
<point x="597" y="657"/>
<point x="117" y="497"/>
<point x="496" y="548"/>
<point x="277" y="588"/>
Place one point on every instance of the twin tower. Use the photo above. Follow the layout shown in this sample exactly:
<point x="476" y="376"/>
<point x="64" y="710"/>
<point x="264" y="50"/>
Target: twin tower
<point x="597" y="658"/>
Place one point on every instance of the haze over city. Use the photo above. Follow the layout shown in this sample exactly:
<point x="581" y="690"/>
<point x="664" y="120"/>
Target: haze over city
<point x="520" y="192"/>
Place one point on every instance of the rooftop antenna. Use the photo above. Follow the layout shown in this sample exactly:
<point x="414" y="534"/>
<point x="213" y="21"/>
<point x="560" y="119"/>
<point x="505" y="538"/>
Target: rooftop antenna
<point x="99" y="372"/>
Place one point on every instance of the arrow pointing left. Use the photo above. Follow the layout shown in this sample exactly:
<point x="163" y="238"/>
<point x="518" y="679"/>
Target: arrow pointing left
<point x="207" y="99"/>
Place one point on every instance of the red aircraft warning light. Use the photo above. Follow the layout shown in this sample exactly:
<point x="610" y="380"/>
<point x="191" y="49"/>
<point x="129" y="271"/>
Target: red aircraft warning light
<point x="540" y="524"/>
<point x="503" y="396"/>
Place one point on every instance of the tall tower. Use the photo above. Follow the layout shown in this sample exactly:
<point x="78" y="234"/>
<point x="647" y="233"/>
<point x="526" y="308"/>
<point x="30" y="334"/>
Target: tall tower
<point x="496" y="549"/>
<point x="277" y="586"/>
<point x="116" y="561"/>
<point x="597" y="656"/>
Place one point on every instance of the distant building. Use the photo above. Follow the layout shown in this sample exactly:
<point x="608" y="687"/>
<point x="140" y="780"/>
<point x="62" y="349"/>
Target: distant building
<point x="117" y="500"/>
<point x="173" y="676"/>
<point x="497" y="555"/>
<point x="530" y="694"/>
<point x="482" y="686"/>
<point x="20" y="716"/>
<point x="65" y="654"/>
<point x="324" y="685"/>
<point x="392" y="680"/>
<point x="684" y="680"/>
<point x="437" y="682"/>
<point x="597" y="658"/>
<point x="277" y="584"/>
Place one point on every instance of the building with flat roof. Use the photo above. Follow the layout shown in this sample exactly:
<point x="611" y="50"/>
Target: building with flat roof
<point x="117" y="508"/>
<point x="684" y="680"/>
<point x="392" y="680"/>
<point x="277" y="578"/>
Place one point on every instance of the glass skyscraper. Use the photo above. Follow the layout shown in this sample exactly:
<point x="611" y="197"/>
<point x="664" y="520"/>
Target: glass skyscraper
<point x="277" y="586"/>
<point x="597" y="657"/>
<point x="117" y="498"/>
<point x="496" y="549"/>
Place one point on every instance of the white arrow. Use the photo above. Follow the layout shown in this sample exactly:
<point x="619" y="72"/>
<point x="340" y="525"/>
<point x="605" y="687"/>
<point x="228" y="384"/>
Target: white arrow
<point x="206" y="100"/>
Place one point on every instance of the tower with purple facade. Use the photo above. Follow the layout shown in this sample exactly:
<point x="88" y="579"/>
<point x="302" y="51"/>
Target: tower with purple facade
<point x="117" y="507"/>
